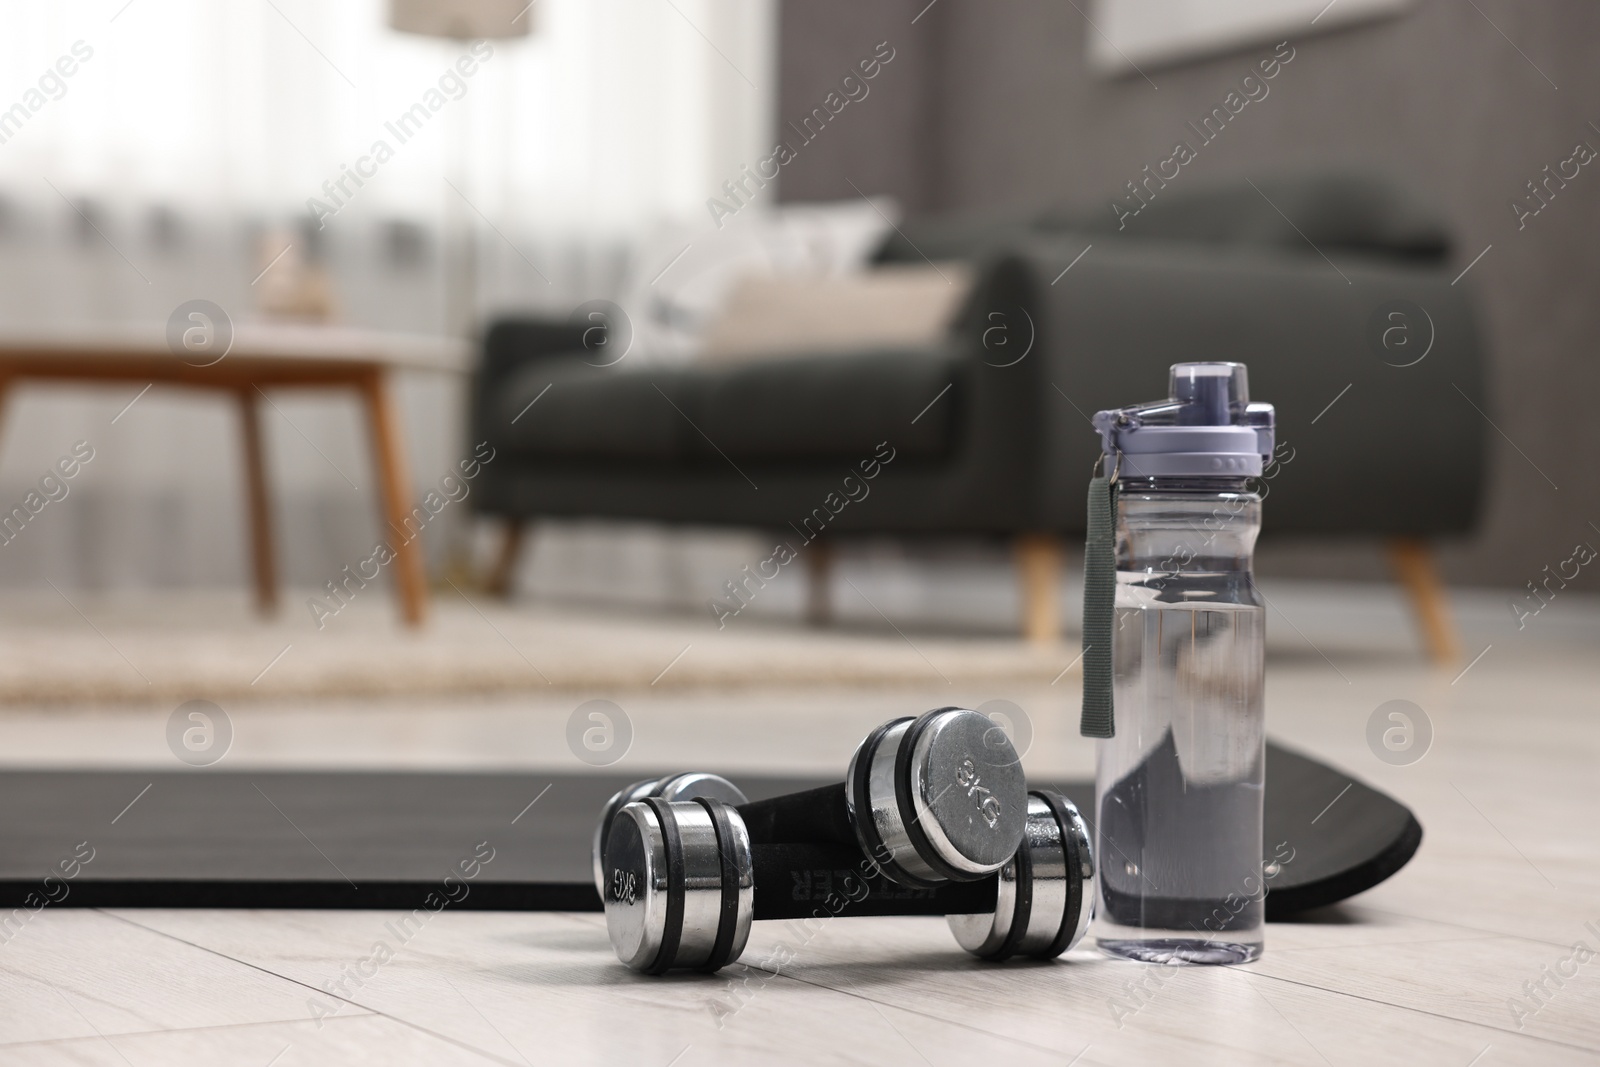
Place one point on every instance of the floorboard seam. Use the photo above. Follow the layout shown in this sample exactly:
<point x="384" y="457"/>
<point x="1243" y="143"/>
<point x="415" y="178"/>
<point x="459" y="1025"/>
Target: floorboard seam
<point x="856" y="995"/>
<point x="1278" y="951"/>
<point x="1424" y="1011"/>
<point x="1474" y="929"/>
<point x="321" y="992"/>
<point x="581" y="918"/>
<point x="365" y="1014"/>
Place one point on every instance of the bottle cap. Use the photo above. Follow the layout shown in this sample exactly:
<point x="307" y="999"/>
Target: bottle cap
<point x="1206" y="427"/>
<point x="939" y="798"/>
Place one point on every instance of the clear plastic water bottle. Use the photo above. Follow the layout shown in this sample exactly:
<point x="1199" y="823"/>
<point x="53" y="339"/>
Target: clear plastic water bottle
<point x="1179" y="780"/>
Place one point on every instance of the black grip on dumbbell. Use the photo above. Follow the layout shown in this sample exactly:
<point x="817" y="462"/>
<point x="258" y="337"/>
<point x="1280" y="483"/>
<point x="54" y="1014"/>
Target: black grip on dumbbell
<point x="820" y="815"/>
<point x="806" y="880"/>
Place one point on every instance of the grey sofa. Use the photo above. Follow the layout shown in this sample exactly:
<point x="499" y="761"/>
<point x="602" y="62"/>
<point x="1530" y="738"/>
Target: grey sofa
<point x="987" y="433"/>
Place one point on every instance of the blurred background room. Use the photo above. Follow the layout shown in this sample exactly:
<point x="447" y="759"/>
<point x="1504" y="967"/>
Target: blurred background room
<point x="641" y="172"/>
<point x="395" y="378"/>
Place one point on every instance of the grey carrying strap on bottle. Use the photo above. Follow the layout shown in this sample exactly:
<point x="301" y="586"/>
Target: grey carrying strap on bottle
<point x="1099" y="605"/>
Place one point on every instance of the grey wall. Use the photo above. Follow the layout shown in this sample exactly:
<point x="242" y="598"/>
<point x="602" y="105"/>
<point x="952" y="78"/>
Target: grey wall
<point x="887" y="142"/>
<point x="989" y="104"/>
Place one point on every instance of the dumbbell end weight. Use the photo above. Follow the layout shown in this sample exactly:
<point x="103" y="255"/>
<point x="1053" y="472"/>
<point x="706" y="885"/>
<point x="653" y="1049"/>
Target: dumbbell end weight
<point x="1045" y="895"/>
<point x="938" y="798"/>
<point x="679" y="889"/>
<point x="685" y="786"/>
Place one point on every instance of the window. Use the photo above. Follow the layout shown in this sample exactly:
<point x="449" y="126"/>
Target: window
<point x="613" y="113"/>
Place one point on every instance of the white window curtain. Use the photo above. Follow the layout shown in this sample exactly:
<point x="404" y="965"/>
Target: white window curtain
<point x="147" y="146"/>
<point x="611" y="113"/>
<point x="177" y="131"/>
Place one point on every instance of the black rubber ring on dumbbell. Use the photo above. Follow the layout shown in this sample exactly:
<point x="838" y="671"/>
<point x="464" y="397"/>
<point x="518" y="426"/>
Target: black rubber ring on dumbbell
<point x="722" y="948"/>
<point x="908" y="815"/>
<point x="1022" y="913"/>
<point x="672" y="931"/>
<point x="861" y="804"/>
<point x="1075" y="886"/>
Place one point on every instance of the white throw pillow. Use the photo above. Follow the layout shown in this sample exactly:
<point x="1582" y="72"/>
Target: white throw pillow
<point x="684" y="273"/>
<point x="902" y="306"/>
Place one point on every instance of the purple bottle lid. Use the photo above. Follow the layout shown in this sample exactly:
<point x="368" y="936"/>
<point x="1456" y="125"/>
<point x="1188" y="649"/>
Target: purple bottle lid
<point x="1206" y="427"/>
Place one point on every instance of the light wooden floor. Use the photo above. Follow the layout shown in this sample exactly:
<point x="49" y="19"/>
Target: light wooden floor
<point x="1421" y="970"/>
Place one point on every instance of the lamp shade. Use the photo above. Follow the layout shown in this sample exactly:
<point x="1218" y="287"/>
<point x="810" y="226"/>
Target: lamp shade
<point x="463" y="20"/>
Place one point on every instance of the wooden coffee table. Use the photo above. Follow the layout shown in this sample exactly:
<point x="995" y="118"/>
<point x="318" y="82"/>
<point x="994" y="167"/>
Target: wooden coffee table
<point x="262" y="357"/>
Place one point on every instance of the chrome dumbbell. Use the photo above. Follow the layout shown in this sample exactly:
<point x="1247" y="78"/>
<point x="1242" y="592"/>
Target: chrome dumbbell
<point x="684" y="883"/>
<point x="672" y="787"/>
<point x="1044" y="896"/>
<point x="929" y="802"/>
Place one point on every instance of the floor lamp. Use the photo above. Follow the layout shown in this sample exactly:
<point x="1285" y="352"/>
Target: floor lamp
<point x="462" y="21"/>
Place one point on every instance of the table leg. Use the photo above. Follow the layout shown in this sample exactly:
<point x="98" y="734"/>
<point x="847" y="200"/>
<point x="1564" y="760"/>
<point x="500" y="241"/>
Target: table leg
<point x="1039" y="572"/>
<point x="258" y="504"/>
<point x="393" y="493"/>
<point x="505" y="566"/>
<point x="1412" y="559"/>
<point x="819" y="558"/>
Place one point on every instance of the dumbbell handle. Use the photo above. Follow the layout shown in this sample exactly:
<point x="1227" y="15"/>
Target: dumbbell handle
<point x="802" y="881"/>
<point x="819" y="815"/>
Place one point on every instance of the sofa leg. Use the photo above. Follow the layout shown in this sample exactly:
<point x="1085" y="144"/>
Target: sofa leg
<point x="505" y="565"/>
<point x="819" y="557"/>
<point x="1039" y="576"/>
<point x="1412" y="561"/>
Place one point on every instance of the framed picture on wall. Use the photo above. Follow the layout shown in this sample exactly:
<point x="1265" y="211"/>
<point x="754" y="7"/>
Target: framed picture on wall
<point x="1129" y="34"/>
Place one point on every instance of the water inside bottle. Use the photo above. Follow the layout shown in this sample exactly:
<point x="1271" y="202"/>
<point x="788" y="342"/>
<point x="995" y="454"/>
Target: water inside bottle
<point x="1181" y="784"/>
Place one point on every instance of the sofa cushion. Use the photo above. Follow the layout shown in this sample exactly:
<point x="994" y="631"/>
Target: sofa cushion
<point x="775" y="412"/>
<point x="809" y="409"/>
<point x="589" y="413"/>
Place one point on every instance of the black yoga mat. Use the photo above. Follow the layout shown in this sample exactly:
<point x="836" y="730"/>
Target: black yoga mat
<point x="519" y="842"/>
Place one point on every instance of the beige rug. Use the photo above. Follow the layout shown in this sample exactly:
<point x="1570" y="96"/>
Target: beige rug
<point x="178" y="646"/>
